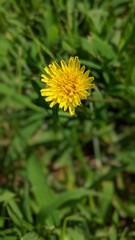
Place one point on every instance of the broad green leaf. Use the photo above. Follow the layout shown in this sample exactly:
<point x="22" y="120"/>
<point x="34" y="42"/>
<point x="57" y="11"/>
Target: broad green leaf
<point x="24" y="137"/>
<point x="108" y="190"/>
<point x="128" y="158"/>
<point x="98" y="47"/>
<point x="31" y="236"/>
<point x="40" y="188"/>
<point x="128" y="33"/>
<point x="66" y="198"/>
<point x="42" y="193"/>
<point x="14" y="213"/>
<point x="98" y="17"/>
<point x="6" y="196"/>
<point x="27" y="203"/>
<point x="7" y="91"/>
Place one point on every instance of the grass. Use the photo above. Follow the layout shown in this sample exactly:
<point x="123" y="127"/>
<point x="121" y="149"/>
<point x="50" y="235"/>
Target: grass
<point x="62" y="177"/>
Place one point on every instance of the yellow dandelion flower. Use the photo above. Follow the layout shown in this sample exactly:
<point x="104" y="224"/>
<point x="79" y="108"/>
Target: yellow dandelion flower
<point x="67" y="84"/>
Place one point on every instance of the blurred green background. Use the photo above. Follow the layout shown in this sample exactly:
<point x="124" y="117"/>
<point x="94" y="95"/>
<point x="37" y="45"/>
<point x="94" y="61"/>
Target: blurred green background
<point x="62" y="177"/>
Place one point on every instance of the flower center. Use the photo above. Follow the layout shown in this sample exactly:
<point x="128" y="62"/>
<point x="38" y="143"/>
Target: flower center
<point x="69" y="84"/>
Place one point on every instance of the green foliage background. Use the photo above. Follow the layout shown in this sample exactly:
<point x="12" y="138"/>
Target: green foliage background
<point x="62" y="177"/>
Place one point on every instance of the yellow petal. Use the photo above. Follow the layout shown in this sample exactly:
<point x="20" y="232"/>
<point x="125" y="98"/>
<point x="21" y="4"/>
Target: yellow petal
<point x="49" y="99"/>
<point x="86" y="74"/>
<point x="66" y="84"/>
<point x="52" y="103"/>
<point x="82" y="69"/>
<point x="70" y="62"/>
<point x="62" y="104"/>
<point x="48" y="71"/>
<point x="71" y="110"/>
<point x="63" y="64"/>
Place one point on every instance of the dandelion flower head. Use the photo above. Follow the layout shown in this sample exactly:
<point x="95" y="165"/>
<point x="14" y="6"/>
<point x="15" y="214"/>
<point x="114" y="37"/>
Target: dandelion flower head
<point x="66" y="84"/>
